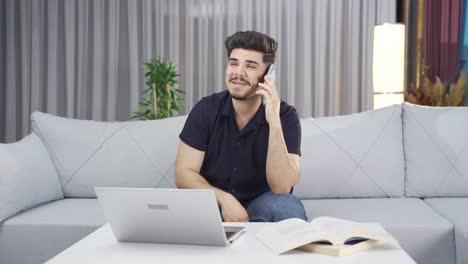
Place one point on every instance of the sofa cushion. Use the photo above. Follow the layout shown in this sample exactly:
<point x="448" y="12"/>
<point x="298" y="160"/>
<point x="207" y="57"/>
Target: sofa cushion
<point x="110" y="154"/>
<point x="426" y="236"/>
<point x="27" y="176"/>
<point x="455" y="210"/>
<point x="38" y="234"/>
<point x="357" y="155"/>
<point x="436" y="150"/>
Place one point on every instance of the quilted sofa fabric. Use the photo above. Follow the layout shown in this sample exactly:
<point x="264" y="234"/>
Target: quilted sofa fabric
<point x="423" y="233"/>
<point x="38" y="234"/>
<point x="90" y="154"/>
<point x="358" y="155"/>
<point x="452" y="209"/>
<point x="27" y="176"/>
<point x="436" y="150"/>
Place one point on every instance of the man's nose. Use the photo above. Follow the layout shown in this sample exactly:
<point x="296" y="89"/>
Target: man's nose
<point x="240" y="70"/>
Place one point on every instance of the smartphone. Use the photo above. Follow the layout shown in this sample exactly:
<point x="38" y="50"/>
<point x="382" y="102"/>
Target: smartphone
<point x="271" y="72"/>
<point x="271" y="75"/>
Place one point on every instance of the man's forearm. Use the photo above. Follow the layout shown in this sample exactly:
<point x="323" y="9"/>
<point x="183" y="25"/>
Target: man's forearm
<point x="281" y="172"/>
<point x="193" y="180"/>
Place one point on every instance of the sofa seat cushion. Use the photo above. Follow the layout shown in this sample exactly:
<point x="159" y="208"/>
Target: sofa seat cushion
<point x="455" y="210"/>
<point x="38" y="234"/>
<point x="425" y="235"/>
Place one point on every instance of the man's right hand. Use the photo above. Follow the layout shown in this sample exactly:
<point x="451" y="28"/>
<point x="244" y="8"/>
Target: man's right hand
<point x="232" y="210"/>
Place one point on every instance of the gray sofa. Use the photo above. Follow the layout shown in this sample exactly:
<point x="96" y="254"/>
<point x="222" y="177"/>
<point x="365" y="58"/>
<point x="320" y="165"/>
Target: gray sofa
<point x="403" y="166"/>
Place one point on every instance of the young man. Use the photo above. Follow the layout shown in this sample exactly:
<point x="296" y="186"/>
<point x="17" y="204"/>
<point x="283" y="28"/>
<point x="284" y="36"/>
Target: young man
<point x="245" y="150"/>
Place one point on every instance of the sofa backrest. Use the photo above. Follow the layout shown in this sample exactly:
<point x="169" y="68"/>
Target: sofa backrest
<point x="113" y="154"/>
<point x="436" y="150"/>
<point x="351" y="156"/>
<point x="27" y="176"/>
<point x="357" y="155"/>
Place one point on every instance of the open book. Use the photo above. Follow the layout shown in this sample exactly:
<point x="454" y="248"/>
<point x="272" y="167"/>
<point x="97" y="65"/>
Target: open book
<point x="325" y="235"/>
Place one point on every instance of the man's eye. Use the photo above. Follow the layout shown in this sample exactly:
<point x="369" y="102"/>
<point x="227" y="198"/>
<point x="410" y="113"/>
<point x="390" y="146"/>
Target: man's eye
<point x="251" y="66"/>
<point x="233" y="63"/>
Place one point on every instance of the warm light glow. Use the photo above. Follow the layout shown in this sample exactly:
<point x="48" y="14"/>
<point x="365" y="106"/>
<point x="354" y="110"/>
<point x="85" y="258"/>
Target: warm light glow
<point x="389" y="64"/>
<point x="383" y="100"/>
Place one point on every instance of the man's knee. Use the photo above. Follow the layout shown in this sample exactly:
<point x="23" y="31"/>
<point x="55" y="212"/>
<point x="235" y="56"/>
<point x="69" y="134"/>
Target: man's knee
<point x="288" y="206"/>
<point x="283" y="206"/>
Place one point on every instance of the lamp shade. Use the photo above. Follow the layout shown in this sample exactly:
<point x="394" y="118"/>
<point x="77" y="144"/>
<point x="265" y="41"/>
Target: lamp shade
<point x="389" y="64"/>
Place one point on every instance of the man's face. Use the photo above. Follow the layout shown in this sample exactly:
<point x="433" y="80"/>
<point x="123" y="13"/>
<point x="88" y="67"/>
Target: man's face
<point x="244" y="70"/>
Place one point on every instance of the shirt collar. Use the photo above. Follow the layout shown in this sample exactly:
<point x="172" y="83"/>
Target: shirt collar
<point x="259" y="117"/>
<point x="228" y="108"/>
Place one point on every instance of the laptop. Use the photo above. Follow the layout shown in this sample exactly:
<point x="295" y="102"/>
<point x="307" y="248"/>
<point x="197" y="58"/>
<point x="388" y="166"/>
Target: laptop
<point x="169" y="216"/>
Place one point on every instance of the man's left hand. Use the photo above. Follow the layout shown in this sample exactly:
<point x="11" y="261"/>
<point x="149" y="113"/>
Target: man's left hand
<point x="272" y="101"/>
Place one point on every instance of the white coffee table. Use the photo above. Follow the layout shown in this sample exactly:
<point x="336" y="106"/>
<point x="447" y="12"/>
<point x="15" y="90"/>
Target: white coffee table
<point x="101" y="247"/>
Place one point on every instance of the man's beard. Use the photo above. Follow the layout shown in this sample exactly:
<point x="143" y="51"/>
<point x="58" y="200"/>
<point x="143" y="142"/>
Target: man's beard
<point x="249" y="92"/>
<point x="248" y="95"/>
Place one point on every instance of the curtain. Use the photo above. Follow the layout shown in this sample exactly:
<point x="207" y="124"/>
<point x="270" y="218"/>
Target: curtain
<point x="464" y="42"/>
<point x="442" y="39"/>
<point x="82" y="58"/>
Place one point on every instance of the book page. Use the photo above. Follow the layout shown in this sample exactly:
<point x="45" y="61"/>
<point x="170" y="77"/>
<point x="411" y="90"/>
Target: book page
<point x="342" y="250"/>
<point x="339" y="231"/>
<point x="293" y="233"/>
<point x="288" y="234"/>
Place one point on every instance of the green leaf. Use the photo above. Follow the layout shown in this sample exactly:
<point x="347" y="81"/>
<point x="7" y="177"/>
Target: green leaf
<point x="161" y="73"/>
<point x="148" y="67"/>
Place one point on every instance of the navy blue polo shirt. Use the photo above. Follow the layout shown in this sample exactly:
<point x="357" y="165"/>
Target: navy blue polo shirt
<point x="235" y="161"/>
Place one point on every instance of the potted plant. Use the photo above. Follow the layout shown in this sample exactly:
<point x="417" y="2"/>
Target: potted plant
<point x="438" y="93"/>
<point x="160" y="99"/>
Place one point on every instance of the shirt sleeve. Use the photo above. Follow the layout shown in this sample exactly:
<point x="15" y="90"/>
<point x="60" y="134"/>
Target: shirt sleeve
<point x="196" y="129"/>
<point x="291" y="125"/>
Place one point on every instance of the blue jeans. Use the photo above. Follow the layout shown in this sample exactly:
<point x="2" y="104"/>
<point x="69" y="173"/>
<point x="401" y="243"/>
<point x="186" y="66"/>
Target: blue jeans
<point x="270" y="207"/>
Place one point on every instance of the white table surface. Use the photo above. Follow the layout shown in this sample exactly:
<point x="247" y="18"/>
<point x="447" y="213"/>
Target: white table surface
<point x="102" y="247"/>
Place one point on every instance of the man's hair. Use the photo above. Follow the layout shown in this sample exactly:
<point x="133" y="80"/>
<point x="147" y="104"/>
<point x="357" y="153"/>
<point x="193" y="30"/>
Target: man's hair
<point x="252" y="40"/>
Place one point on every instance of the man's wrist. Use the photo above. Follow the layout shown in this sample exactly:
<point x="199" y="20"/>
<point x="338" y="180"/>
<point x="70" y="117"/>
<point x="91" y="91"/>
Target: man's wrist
<point x="222" y="197"/>
<point x="276" y="124"/>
